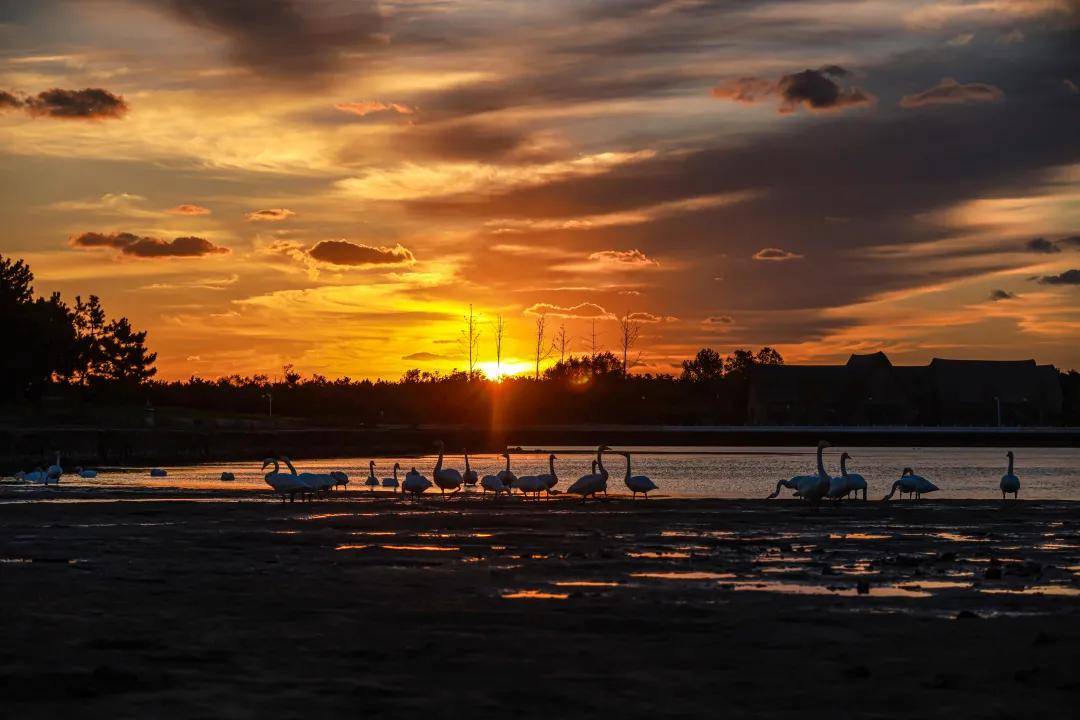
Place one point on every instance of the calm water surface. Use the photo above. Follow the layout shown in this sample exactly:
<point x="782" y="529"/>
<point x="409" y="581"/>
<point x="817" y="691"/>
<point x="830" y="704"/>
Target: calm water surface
<point x="745" y="472"/>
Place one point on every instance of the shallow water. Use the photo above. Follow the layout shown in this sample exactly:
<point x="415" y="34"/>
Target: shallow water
<point x="749" y="472"/>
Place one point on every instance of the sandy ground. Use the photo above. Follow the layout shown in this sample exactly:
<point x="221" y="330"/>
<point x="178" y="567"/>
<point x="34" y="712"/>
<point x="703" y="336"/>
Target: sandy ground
<point x="231" y="606"/>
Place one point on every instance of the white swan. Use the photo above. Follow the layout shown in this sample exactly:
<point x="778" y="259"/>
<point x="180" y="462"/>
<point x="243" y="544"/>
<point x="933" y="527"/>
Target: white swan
<point x="550" y="479"/>
<point x="415" y="484"/>
<point x="158" y="472"/>
<point x="637" y="483"/>
<point x="227" y="476"/>
<point x="495" y="482"/>
<point x="371" y="481"/>
<point x="84" y="473"/>
<point x="37" y="475"/>
<point x="470" y="477"/>
<point x="529" y="484"/>
<point x="1009" y="482"/>
<point x="340" y="479"/>
<point x="392" y="482"/>
<point x="809" y="487"/>
<point x="594" y="483"/>
<point x="315" y="482"/>
<point x="854" y="481"/>
<point x="912" y="484"/>
<point x="445" y="478"/>
<point x="283" y="483"/>
<point x="506" y="476"/>
<point x="54" y="471"/>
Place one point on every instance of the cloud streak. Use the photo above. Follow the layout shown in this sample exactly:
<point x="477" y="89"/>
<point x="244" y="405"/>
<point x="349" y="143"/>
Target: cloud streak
<point x="951" y="92"/>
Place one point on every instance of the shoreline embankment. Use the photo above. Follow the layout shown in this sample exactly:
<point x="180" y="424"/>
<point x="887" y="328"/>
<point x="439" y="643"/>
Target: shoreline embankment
<point x="26" y="447"/>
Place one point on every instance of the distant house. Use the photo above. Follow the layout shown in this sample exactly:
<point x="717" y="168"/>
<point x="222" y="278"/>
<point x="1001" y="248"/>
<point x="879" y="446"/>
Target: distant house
<point x="870" y="390"/>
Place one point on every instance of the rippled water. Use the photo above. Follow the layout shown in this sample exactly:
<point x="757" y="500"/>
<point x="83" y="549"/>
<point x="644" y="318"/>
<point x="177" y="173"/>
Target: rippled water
<point x="1045" y="473"/>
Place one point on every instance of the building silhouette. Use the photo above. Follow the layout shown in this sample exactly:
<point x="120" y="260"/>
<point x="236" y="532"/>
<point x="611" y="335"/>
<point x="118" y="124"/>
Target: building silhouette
<point x="870" y="390"/>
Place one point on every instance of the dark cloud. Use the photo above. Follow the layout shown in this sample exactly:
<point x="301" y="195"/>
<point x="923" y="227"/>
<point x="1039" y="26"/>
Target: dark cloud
<point x="999" y="294"/>
<point x="85" y="104"/>
<point x="776" y="255"/>
<point x="1069" y="277"/>
<point x="470" y="141"/>
<point x="1042" y="245"/>
<point x="950" y="92"/>
<point x="815" y="90"/>
<point x="285" y="38"/>
<point x="343" y="252"/>
<point x="147" y="247"/>
<point x="9" y="101"/>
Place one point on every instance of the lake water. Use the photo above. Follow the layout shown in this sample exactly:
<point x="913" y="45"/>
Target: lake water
<point x="743" y="472"/>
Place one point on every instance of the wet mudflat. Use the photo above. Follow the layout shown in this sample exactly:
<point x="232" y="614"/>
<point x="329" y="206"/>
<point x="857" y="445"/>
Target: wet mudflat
<point x="233" y="606"/>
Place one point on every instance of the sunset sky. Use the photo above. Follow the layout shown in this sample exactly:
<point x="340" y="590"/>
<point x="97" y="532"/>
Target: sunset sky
<point x="330" y="183"/>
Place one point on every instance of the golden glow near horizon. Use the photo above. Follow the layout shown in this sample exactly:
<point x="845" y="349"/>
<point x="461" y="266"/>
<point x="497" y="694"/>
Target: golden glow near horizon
<point x="353" y="192"/>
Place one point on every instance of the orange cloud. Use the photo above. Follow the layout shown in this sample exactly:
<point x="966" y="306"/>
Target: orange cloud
<point x="271" y="215"/>
<point x="188" y="210"/>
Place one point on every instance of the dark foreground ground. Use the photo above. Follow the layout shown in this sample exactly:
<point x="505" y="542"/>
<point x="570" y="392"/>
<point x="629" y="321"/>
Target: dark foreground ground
<point x="233" y="607"/>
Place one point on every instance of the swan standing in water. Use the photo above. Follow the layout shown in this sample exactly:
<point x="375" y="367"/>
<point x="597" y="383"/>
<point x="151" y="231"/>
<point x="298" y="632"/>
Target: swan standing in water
<point x="415" y="484"/>
<point x="470" y="477"/>
<point x="341" y="480"/>
<point x="550" y="479"/>
<point x="506" y="477"/>
<point x="809" y="487"/>
<point x="315" y="482"/>
<point x="445" y="478"/>
<point x="283" y="483"/>
<point x="392" y="482"/>
<point x="54" y="471"/>
<point x="1009" y="482"/>
<point x="637" y="483"/>
<point x="495" y="483"/>
<point x="85" y="474"/>
<point x="371" y="481"/>
<point x="847" y="483"/>
<point x="912" y="484"/>
<point x="594" y="483"/>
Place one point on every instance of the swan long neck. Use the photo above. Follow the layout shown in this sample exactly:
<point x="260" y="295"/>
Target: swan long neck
<point x="843" y="465"/>
<point x="507" y="456"/>
<point x="627" y="466"/>
<point x="466" y="461"/>
<point x="275" y="471"/>
<point x="821" y="462"/>
<point x="371" y="468"/>
<point x="551" y="464"/>
<point x="1010" y="464"/>
<point x="779" y="485"/>
<point x="892" y="491"/>
<point x="395" y="471"/>
<point x="287" y="463"/>
<point x="438" y="463"/>
<point x="600" y="463"/>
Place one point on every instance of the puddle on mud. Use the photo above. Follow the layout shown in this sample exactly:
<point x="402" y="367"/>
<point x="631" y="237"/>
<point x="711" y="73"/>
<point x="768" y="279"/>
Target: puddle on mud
<point x="534" y="595"/>
<point x="1035" y="590"/>
<point x="688" y="575"/>
<point x="584" y="583"/>
<point x="790" y="588"/>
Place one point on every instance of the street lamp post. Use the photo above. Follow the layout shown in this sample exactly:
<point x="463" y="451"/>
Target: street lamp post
<point x="270" y="400"/>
